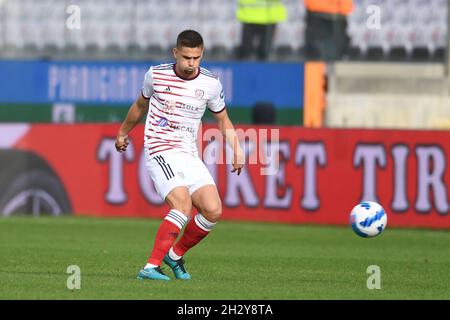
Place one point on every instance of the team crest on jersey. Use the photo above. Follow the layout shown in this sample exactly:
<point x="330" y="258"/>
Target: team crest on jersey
<point x="199" y="93"/>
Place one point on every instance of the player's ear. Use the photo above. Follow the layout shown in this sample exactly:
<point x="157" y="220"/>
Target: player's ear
<point x="175" y="52"/>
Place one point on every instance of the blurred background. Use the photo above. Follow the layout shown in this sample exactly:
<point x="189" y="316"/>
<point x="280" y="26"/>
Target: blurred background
<point x="384" y="52"/>
<point x="295" y="64"/>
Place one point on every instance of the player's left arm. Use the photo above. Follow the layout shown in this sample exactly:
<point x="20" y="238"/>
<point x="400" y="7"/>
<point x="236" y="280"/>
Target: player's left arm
<point x="226" y="127"/>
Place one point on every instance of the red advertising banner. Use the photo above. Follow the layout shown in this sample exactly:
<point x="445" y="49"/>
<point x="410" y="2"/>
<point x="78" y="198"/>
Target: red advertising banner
<point x="293" y="175"/>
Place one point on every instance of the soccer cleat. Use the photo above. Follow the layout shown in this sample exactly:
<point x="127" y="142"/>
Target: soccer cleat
<point x="177" y="267"/>
<point x="152" y="274"/>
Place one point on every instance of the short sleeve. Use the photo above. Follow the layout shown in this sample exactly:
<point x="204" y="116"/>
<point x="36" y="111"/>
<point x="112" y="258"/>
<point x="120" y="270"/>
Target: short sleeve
<point x="147" y="87"/>
<point x="217" y="101"/>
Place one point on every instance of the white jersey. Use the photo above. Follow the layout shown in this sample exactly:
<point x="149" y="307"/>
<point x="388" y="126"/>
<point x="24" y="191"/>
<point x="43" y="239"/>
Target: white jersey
<point x="176" y="108"/>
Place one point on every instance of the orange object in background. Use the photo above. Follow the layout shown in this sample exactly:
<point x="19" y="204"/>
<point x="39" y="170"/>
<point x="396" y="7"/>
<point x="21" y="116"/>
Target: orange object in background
<point x="314" y="104"/>
<point x="343" y="7"/>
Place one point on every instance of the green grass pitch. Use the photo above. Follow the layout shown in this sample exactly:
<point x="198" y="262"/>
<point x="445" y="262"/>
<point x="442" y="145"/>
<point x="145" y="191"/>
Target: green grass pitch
<point x="238" y="260"/>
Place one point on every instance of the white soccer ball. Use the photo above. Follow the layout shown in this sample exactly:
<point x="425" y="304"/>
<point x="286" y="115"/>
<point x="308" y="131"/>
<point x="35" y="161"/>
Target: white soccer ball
<point x="368" y="219"/>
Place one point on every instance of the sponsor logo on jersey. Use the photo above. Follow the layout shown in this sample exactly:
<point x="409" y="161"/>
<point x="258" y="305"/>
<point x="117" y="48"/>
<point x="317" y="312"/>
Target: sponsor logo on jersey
<point x="188" y="107"/>
<point x="163" y="122"/>
<point x="169" y="106"/>
<point x="167" y="89"/>
<point x="182" y="128"/>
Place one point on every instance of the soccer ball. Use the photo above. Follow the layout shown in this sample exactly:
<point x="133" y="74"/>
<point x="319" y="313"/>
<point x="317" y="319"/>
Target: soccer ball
<point x="368" y="219"/>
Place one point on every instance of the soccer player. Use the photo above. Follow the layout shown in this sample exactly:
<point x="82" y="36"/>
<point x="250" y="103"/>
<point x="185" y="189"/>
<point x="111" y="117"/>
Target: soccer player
<point x="174" y="97"/>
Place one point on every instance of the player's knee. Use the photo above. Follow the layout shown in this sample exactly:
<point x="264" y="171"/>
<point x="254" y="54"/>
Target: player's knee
<point x="185" y="207"/>
<point x="213" y="211"/>
<point x="181" y="202"/>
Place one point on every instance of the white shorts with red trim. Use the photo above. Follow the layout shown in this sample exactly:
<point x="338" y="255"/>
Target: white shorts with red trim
<point x="174" y="169"/>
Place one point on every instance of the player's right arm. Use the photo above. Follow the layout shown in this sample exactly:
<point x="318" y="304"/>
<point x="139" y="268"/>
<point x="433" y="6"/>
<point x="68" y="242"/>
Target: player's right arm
<point x="137" y="111"/>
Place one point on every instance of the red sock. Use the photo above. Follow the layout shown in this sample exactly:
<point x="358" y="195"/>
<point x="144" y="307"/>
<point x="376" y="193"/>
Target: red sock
<point x="167" y="234"/>
<point x="195" y="231"/>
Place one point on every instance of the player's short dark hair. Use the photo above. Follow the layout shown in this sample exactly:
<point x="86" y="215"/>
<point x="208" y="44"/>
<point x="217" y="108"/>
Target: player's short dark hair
<point x="190" y="39"/>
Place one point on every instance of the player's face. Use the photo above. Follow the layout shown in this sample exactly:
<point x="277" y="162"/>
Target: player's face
<point x="188" y="60"/>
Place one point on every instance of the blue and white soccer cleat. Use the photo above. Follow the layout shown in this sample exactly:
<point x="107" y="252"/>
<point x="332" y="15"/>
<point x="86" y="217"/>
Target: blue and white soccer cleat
<point x="152" y="274"/>
<point x="177" y="267"/>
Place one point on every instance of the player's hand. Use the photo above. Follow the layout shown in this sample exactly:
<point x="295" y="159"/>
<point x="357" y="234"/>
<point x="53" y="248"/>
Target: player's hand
<point x="238" y="163"/>
<point x="121" y="142"/>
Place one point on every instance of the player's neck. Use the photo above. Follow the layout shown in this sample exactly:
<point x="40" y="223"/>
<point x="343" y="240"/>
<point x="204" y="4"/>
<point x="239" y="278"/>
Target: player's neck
<point x="183" y="75"/>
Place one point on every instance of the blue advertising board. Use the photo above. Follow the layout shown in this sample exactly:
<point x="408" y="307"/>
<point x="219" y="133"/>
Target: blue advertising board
<point x="105" y="83"/>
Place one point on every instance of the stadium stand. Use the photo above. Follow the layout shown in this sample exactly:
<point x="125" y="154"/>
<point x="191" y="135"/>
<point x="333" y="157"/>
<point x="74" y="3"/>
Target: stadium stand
<point x="409" y="29"/>
<point x="413" y="30"/>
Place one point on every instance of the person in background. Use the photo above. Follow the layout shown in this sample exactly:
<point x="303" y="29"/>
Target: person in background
<point x="326" y="36"/>
<point x="259" y="19"/>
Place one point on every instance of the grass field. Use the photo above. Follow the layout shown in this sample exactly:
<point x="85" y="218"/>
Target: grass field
<point x="236" y="261"/>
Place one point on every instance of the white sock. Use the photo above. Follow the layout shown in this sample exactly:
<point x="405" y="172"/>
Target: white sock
<point x="149" y="265"/>
<point x="173" y="255"/>
<point x="202" y="223"/>
<point x="177" y="218"/>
